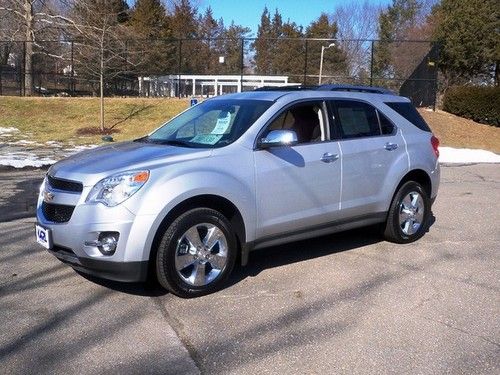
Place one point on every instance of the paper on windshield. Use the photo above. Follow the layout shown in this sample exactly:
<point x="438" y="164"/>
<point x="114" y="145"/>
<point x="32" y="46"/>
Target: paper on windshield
<point x="222" y="123"/>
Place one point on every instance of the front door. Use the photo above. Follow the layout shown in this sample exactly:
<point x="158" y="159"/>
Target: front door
<point x="298" y="187"/>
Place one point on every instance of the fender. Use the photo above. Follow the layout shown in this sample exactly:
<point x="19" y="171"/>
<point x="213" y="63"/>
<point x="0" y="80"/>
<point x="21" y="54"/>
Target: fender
<point x="163" y="197"/>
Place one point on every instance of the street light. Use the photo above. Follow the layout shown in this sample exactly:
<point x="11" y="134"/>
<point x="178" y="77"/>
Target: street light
<point x="321" y="60"/>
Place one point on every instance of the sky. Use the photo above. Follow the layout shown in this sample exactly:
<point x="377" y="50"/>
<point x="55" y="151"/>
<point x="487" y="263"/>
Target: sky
<point x="247" y="12"/>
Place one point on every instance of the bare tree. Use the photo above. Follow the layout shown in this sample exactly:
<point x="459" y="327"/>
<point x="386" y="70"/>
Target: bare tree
<point x="101" y="49"/>
<point x="21" y="16"/>
<point x="29" y="21"/>
<point x="357" y="23"/>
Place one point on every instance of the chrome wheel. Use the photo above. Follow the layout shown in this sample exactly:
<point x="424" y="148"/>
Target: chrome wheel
<point x="201" y="254"/>
<point x="411" y="213"/>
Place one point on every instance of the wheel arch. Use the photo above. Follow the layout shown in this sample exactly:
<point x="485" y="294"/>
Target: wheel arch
<point x="216" y="202"/>
<point x="417" y="175"/>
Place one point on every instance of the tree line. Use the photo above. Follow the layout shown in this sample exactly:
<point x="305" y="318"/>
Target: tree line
<point x="109" y="39"/>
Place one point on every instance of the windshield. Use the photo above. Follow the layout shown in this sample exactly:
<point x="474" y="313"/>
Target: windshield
<point x="213" y="123"/>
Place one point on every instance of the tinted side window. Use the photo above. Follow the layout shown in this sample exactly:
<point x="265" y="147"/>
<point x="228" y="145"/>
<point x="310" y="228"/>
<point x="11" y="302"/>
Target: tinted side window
<point x="357" y="119"/>
<point x="385" y="125"/>
<point x="408" y="111"/>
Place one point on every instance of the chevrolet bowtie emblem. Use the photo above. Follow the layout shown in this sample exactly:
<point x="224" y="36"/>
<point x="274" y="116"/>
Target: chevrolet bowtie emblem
<point x="48" y="196"/>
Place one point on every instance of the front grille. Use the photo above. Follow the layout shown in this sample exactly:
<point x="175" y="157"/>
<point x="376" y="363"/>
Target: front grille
<point x="65" y="185"/>
<point x="57" y="213"/>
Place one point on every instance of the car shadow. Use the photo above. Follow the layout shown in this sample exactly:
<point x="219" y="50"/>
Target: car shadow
<point x="149" y="288"/>
<point x="264" y="259"/>
<point x="300" y="251"/>
<point x="316" y="247"/>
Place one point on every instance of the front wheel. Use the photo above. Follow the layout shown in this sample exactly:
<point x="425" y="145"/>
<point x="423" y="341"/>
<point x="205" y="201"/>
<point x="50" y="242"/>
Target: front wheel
<point x="197" y="253"/>
<point x="409" y="214"/>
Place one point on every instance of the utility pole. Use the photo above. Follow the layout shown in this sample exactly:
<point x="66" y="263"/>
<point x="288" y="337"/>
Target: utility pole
<point x="321" y="60"/>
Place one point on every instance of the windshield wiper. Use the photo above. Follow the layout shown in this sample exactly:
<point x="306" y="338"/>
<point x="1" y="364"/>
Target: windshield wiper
<point x="171" y="142"/>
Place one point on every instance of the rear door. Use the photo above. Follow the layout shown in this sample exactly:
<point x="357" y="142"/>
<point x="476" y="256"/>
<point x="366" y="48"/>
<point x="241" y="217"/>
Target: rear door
<point x="298" y="188"/>
<point x="370" y="145"/>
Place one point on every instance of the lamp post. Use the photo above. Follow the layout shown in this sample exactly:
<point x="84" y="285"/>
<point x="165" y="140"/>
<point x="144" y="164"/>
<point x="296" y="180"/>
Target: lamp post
<point x="321" y="60"/>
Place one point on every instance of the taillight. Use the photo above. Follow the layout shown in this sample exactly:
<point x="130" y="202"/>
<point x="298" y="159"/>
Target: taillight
<point x="435" y="145"/>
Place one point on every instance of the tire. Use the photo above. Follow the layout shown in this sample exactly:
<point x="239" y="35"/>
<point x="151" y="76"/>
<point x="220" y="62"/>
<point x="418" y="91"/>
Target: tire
<point x="196" y="253"/>
<point x="409" y="214"/>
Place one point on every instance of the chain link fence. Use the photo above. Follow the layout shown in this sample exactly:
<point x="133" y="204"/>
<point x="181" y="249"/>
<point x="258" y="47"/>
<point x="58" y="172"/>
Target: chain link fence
<point x="209" y="67"/>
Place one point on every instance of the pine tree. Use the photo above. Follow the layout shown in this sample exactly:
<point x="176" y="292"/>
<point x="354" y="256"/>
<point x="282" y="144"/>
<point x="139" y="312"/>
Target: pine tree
<point x="233" y="37"/>
<point x="148" y="19"/>
<point x="184" y="25"/>
<point x="154" y="53"/>
<point x="289" y="52"/>
<point x="209" y="31"/>
<point x="262" y="44"/>
<point x="468" y="31"/>
<point x="334" y="59"/>
<point x="394" y="24"/>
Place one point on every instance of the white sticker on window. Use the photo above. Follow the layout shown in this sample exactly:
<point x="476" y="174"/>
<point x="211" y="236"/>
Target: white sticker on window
<point x="206" y="139"/>
<point x="222" y="123"/>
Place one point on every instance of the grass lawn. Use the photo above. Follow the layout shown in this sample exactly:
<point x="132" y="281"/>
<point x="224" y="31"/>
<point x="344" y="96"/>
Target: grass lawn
<point x="61" y="119"/>
<point x="454" y="131"/>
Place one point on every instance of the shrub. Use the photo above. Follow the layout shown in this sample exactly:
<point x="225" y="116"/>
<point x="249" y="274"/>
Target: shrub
<point x="481" y="104"/>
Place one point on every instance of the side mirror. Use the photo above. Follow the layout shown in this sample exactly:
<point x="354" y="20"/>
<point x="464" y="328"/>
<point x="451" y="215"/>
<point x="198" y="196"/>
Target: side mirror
<point x="276" y="138"/>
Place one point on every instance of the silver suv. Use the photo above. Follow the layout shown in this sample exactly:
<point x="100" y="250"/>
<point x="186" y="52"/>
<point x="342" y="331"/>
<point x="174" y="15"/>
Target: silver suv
<point x="240" y="172"/>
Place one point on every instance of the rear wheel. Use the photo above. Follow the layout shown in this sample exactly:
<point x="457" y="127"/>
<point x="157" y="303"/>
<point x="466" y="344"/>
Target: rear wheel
<point x="197" y="253"/>
<point x="409" y="213"/>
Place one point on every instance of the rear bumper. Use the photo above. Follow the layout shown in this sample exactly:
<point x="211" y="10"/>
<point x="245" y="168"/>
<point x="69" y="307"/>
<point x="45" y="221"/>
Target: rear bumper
<point x="117" y="271"/>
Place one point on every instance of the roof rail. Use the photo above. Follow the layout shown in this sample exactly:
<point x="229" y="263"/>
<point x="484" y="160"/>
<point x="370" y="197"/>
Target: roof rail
<point x="368" y="89"/>
<point x="286" y="88"/>
<point x="328" y="87"/>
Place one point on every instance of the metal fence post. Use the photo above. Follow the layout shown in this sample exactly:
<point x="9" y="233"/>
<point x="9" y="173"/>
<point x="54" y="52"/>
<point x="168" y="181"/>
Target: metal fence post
<point x="22" y="81"/>
<point x="72" y="73"/>
<point x="305" y="62"/>
<point x="179" y="70"/>
<point x="242" y="65"/>
<point x="371" y="64"/>
<point x="436" y="69"/>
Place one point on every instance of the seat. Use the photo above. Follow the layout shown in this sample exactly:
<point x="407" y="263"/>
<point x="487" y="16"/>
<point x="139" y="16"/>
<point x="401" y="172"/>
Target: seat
<point x="306" y="124"/>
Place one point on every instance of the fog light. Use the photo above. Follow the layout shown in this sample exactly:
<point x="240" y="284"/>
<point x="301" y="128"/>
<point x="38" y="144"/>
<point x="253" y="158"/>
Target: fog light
<point x="106" y="242"/>
<point x="108" y="245"/>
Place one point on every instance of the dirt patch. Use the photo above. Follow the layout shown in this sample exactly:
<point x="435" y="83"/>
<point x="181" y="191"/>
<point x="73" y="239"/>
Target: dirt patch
<point x="454" y="131"/>
<point x="95" y="131"/>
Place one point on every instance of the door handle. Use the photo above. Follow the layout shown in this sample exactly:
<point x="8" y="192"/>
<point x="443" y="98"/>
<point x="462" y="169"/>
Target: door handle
<point x="390" y="146"/>
<point x="328" y="158"/>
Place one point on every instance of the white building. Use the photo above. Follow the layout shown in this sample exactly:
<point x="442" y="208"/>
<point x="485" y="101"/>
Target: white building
<point x="205" y="85"/>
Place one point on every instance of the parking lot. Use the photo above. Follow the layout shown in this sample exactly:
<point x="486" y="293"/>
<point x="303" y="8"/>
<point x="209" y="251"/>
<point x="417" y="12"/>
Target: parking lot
<point x="342" y="304"/>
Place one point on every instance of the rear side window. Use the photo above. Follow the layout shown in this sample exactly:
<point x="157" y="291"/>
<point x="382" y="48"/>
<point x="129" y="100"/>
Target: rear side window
<point x="357" y="119"/>
<point x="408" y="111"/>
<point x="385" y="125"/>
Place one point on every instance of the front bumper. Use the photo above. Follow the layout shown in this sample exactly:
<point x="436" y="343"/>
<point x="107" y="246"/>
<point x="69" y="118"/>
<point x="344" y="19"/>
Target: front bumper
<point x="117" y="271"/>
<point x="72" y="240"/>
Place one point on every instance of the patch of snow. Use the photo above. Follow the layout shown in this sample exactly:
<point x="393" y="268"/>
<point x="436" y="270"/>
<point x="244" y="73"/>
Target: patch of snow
<point x="450" y="155"/>
<point x="54" y="143"/>
<point x="23" y="159"/>
<point x="8" y="131"/>
<point x="24" y="142"/>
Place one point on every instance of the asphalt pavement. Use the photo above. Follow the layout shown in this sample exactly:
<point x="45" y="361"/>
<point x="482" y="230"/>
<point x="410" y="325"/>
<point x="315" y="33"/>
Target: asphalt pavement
<point x="341" y="304"/>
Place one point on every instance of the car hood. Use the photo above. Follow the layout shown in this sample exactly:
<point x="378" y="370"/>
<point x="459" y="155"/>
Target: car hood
<point x="92" y="165"/>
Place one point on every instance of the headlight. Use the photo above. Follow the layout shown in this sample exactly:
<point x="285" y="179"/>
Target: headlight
<point x="117" y="188"/>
